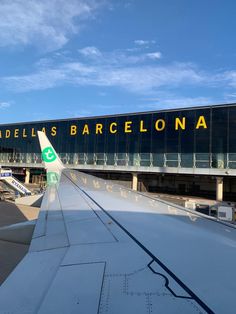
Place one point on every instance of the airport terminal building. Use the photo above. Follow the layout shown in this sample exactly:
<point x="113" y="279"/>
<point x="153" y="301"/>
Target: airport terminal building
<point x="185" y="151"/>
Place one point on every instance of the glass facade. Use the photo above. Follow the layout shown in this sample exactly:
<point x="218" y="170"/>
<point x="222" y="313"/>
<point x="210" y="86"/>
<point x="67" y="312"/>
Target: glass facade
<point x="202" y="137"/>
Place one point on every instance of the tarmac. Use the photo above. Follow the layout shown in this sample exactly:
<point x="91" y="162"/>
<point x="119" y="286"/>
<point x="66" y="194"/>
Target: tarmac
<point x="12" y="253"/>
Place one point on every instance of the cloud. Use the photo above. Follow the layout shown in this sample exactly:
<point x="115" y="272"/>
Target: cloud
<point x="79" y="113"/>
<point x="144" y="79"/>
<point x="135" y="72"/>
<point x="117" y="57"/>
<point x="154" y="55"/>
<point x="174" y="101"/>
<point x="229" y="77"/>
<point x="138" y="79"/>
<point x="90" y="51"/>
<point x="41" y="80"/>
<point x="44" y="23"/>
<point x="141" y="42"/>
<point x="230" y="95"/>
<point x="4" y="104"/>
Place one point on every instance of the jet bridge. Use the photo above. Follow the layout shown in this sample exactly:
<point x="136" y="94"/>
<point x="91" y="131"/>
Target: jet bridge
<point x="7" y="177"/>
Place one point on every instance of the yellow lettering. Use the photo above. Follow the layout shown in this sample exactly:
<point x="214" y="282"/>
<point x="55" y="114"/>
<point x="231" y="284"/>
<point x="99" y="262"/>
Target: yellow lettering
<point x="86" y="129"/>
<point x="73" y="129"/>
<point x="8" y="133"/>
<point x="179" y="123"/>
<point x="24" y="133"/>
<point x="54" y="131"/>
<point x="128" y="127"/>
<point x="99" y="127"/>
<point x="142" y="129"/>
<point x="33" y="134"/>
<point x="160" y="125"/>
<point x="0" y="134"/>
<point x="16" y="133"/>
<point x="201" y="123"/>
<point x="112" y="130"/>
<point x="44" y="130"/>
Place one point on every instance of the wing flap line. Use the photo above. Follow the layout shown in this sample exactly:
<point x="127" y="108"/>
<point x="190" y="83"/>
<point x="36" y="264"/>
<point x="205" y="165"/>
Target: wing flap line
<point x="154" y="258"/>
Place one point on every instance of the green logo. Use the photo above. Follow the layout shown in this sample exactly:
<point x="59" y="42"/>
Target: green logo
<point x="52" y="178"/>
<point x="48" y="154"/>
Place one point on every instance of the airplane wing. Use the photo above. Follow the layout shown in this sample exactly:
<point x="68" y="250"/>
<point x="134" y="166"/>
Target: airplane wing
<point x="101" y="248"/>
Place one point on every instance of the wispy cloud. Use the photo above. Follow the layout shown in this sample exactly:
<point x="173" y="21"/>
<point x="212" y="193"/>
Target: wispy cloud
<point x="154" y="55"/>
<point x="4" y="104"/>
<point x="118" y="57"/>
<point x="174" y="101"/>
<point x="138" y="79"/>
<point x="231" y="96"/>
<point x="141" y="42"/>
<point x="47" y="24"/>
<point x="90" y="51"/>
<point x="229" y="77"/>
<point x="136" y="72"/>
<point x="79" y="113"/>
<point x="102" y="108"/>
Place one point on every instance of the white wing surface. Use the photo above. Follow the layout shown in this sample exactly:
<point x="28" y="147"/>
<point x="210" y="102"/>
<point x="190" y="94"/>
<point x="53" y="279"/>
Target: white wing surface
<point x="100" y="248"/>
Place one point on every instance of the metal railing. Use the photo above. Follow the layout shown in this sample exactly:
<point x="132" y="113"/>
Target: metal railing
<point x="177" y="160"/>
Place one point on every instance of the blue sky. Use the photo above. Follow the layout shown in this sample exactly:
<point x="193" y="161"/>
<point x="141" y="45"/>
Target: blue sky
<point x="61" y="59"/>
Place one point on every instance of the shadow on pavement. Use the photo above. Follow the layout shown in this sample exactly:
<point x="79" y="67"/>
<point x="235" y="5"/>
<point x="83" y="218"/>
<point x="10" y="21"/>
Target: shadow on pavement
<point x="12" y="253"/>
